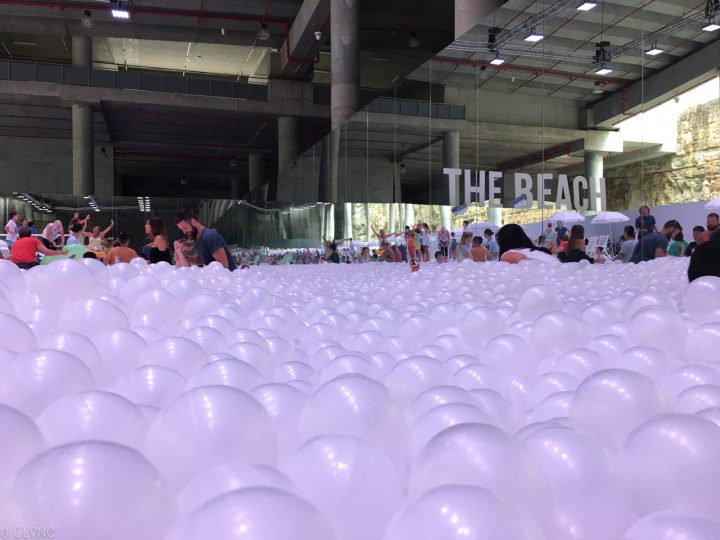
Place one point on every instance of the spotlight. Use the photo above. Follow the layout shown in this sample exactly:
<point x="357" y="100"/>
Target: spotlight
<point x="712" y="26"/>
<point x="413" y="42"/>
<point x="263" y="34"/>
<point x="534" y="37"/>
<point x="121" y="11"/>
<point x="603" y="69"/>
<point x="86" y="20"/>
<point x="586" y="6"/>
<point x="318" y="36"/>
<point x="498" y="60"/>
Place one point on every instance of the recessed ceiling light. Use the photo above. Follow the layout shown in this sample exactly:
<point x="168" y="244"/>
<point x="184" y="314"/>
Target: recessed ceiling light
<point x="497" y="61"/>
<point x="654" y="51"/>
<point x="711" y="27"/>
<point x="120" y="13"/>
<point x="586" y="6"/>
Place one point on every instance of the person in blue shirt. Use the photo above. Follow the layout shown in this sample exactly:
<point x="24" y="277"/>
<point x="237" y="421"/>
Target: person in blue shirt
<point x="491" y="244"/>
<point x="209" y="245"/>
<point x="645" y="223"/>
<point x="560" y="232"/>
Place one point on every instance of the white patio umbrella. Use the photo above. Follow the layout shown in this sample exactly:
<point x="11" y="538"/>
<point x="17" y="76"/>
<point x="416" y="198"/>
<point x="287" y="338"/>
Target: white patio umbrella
<point x="566" y="216"/>
<point x="610" y="218"/>
<point x="714" y="204"/>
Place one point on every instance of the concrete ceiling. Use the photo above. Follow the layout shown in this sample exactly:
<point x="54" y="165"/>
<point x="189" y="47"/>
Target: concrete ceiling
<point x="617" y="21"/>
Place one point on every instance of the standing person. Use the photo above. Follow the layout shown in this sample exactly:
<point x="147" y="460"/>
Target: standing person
<point x="698" y="234"/>
<point x="654" y="244"/>
<point x="515" y="246"/>
<point x="549" y="236"/>
<point x="158" y="250"/>
<point x="678" y="245"/>
<point x="463" y="250"/>
<point x="410" y="236"/>
<point x="334" y="256"/>
<point x="25" y="249"/>
<point x="491" y="244"/>
<point x="381" y="234"/>
<point x="426" y="242"/>
<point x="453" y="245"/>
<point x="122" y="253"/>
<point x="466" y="226"/>
<point x="209" y="244"/>
<point x="705" y="260"/>
<point x="443" y="237"/>
<point x="23" y="224"/>
<point x="712" y="226"/>
<point x="628" y="245"/>
<point x="76" y="234"/>
<point x="479" y="252"/>
<point x="31" y="226"/>
<point x="645" y="223"/>
<point x="11" y="229"/>
<point x="560" y="231"/>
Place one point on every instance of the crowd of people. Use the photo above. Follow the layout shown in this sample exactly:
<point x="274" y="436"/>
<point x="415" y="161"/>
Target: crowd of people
<point x="200" y="245"/>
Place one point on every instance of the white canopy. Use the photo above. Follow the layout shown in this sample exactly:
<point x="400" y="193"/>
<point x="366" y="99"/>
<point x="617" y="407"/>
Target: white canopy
<point x="566" y="216"/>
<point x="610" y="217"/>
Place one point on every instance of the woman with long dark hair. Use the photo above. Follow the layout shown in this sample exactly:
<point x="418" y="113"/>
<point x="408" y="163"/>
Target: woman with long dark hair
<point x="515" y="246"/>
<point x="678" y="245"/>
<point x="159" y="249"/>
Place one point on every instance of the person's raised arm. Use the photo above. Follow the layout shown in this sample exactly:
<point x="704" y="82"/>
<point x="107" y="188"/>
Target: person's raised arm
<point x="107" y="229"/>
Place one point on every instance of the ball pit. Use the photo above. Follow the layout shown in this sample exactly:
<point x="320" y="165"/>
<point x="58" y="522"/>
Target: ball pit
<point x="481" y="401"/>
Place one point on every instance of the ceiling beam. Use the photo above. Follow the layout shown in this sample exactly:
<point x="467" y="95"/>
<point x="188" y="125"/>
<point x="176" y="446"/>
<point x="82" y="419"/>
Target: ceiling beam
<point x="301" y="45"/>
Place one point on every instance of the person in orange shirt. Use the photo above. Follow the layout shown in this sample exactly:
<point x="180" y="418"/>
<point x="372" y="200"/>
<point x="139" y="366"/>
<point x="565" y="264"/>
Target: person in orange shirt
<point x="122" y="253"/>
<point x="24" y="250"/>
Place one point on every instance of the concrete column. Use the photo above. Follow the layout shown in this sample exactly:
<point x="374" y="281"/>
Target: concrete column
<point x="368" y="227"/>
<point x="409" y="215"/>
<point x="256" y="171"/>
<point x="288" y="144"/>
<point x="391" y="223"/>
<point x="594" y="171"/>
<point x="83" y="148"/>
<point x="345" y="60"/>
<point x="82" y="51"/>
<point x="495" y="216"/>
<point x="470" y="13"/>
<point x="451" y="158"/>
<point x="83" y="143"/>
<point x="347" y="220"/>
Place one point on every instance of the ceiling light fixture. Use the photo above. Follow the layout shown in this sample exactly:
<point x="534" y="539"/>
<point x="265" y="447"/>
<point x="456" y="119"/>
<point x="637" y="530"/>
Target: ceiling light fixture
<point x="233" y="161"/>
<point x="604" y="69"/>
<point x="654" y="50"/>
<point x="121" y="11"/>
<point x="414" y="41"/>
<point x="86" y="20"/>
<point x="587" y="6"/>
<point x="222" y="31"/>
<point x="498" y="60"/>
<point x="534" y="37"/>
<point x="263" y="34"/>
<point x="712" y="26"/>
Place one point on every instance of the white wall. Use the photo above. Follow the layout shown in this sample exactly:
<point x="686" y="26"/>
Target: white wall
<point x="688" y="214"/>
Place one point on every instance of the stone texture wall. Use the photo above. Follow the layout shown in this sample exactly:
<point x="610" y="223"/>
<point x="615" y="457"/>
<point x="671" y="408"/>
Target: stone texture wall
<point x="692" y="174"/>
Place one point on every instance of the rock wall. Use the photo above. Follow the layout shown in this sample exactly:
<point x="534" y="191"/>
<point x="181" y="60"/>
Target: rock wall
<point x="692" y="174"/>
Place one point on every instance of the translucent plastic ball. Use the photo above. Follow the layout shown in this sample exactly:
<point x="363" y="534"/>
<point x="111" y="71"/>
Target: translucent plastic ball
<point x="91" y="317"/>
<point x="703" y="343"/>
<point x="353" y="484"/>
<point x="702" y="297"/>
<point x="548" y="327"/>
<point x="611" y="403"/>
<point x="436" y="396"/>
<point x="462" y="511"/>
<point x="92" y="490"/>
<point x="442" y="417"/>
<point x="31" y="381"/>
<point x="79" y="346"/>
<point x="649" y="361"/>
<point x="284" y="403"/>
<point x="208" y="427"/>
<point x="155" y="386"/>
<point x="263" y="512"/>
<point x="27" y="442"/>
<point x="476" y="376"/>
<point x="12" y="277"/>
<point x="255" y="355"/>
<point x="360" y="406"/>
<point x="119" y="351"/>
<point x="480" y="325"/>
<point x="484" y="456"/>
<point x="17" y="336"/>
<point x="93" y="416"/>
<point x="181" y="354"/>
<point x="227" y="478"/>
<point x="659" y="327"/>
<point x="670" y="462"/>
<point x="686" y="376"/>
<point x="234" y="373"/>
<point x="697" y="398"/>
<point x="414" y="375"/>
<point x="77" y="282"/>
<point x="674" y="525"/>
<point x="159" y="303"/>
<point x="538" y="300"/>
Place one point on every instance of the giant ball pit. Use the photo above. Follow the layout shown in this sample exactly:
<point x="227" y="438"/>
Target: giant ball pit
<point x="360" y="402"/>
